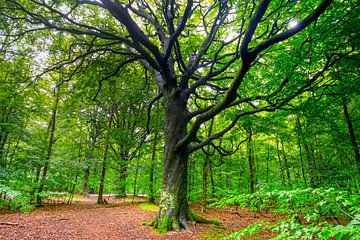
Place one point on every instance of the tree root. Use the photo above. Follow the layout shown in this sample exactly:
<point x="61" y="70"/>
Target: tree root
<point x="194" y="217"/>
<point x="172" y="223"/>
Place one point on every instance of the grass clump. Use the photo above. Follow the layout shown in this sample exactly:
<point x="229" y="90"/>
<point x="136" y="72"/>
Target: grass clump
<point x="148" y="207"/>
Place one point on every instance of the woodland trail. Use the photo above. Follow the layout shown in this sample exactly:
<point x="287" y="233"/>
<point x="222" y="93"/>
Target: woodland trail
<point x="120" y="219"/>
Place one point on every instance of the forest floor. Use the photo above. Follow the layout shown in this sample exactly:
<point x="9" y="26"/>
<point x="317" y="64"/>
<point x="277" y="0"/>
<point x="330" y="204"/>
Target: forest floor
<point x="119" y="219"/>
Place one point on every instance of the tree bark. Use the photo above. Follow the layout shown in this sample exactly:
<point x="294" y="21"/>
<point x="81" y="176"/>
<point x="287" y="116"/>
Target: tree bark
<point x="267" y="162"/>
<point x="135" y="179"/>
<point x="299" y="137"/>
<point x="90" y="154"/>
<point x="311" y="165"/>
<point x="286" y="164"/>
<point x="205" y="170"/>
<point x="211" y="169"/>
<point x="85" y="180"/>
<point x="173" y="208"/>
<point x="251" y="163"/>
<point x="279" y="159"/>
<point x="220" y="181"/>
<point x="152" y="169"/>
<point x="106" y="153"/>
<point x="352" y="136"/>
<point x="51" y="134"/>
<point x="100" y="199"/>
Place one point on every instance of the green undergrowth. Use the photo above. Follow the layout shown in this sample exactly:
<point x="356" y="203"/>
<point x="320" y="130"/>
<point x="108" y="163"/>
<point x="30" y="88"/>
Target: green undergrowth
<point x="148" y="207"/>
<point x="215" y="232"/>
<point x="24" y="201"/>
<point x="16" y="200"/>
<point x="322" y="213"/>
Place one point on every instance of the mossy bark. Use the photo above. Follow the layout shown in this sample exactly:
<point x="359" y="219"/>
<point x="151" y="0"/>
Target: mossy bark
<point x="174" y="212"/>
<point x="173" y="208"/>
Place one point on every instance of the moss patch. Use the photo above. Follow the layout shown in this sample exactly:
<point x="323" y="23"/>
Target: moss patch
<point x="199" y="219"/>
<point x="214" y="233"/>
<point x="164" y="225"/>
<point x="148" y="207"/>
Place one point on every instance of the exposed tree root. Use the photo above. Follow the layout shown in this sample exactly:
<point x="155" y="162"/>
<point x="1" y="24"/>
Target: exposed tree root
<point x="172" y="223"/>
<point x="200" y="219"/>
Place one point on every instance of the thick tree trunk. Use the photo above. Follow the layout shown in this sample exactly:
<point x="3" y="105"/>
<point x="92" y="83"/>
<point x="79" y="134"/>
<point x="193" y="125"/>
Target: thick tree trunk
<point x="174" y="209"/>
<point x="352" y="136"/>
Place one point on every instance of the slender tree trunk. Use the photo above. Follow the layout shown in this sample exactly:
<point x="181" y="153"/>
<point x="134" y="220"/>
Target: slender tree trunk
<point x="190" y="176"/>
<point x="3" y="138"/>
<point x="319" y="157"/>
<point x="51" y="133"/>
<point x="286" y="164"/>
<point x="4" y="154"/>
<point x="37" y="176"/>
<point x="106" y="154"/>
<point x="220" y="180"/>
<point x="100" y="199"/>
<point x="314" y="165"/>
<point x="267" y="162"/>
<point x="251" y="163"/>
<point x="205" y="170"/>
<point x="89" y="155"/>
<point x="204" y="180"/>
<point x="9" y="155"/>
<point x="311" y="166"/>
<point x="279" y="159"/>
<point x="299" y="134"/>
<point x="85" y="180"/>
<point x="152" y="169"/>
<point x="173" y="208"/>
<point x="135" y="179"/>
<point x="71" y="196"/>
<point x="4" y="133"/>
<point x="352" y="135"/>
<point x="211" y="169"/>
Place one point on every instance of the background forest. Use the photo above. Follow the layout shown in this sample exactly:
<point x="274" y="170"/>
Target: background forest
<point x="74" y="123"/>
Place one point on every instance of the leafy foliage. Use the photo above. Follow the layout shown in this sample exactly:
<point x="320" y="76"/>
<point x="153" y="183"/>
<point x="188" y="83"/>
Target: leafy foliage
<point x="308" y="212"/>
<point x="16" y="200"/>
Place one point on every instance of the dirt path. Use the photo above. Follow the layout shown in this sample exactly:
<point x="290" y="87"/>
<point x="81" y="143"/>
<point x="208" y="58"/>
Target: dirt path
<point x="118" y="220"/>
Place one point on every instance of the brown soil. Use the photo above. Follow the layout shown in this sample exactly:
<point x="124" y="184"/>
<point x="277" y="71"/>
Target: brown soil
<point x="120" y="219"/>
